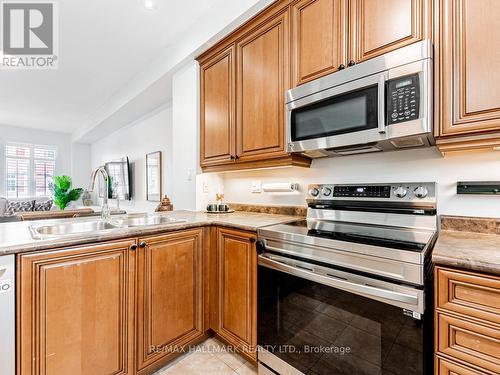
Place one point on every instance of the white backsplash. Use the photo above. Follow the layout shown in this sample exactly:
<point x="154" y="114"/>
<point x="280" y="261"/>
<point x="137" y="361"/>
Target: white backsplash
<point x="402" y="166"/>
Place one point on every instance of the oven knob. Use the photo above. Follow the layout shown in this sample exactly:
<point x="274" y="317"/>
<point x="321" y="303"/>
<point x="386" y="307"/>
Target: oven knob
<point x="400" y="192"/>
<point x="421" y="192"/>
<point x="326" y="191"/>
<point x="314" y="192"/>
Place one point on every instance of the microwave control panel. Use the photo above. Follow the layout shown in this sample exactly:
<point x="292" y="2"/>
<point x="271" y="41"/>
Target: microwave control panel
<point x="403" y="99"/>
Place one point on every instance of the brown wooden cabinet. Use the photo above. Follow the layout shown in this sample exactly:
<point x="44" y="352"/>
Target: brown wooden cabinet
<point x="237" y="289"/>
<point x="467" y="322"/>
<point x="467" y="86"/>
<point x="217" y="113"/>
<point x="243" y="84"/>
<point x="381" y="26"/>
<point x="75" y="311"/>
<point x="261" y="81"/>
<point x="169" y="296"/>
<point x="318" y="38"/>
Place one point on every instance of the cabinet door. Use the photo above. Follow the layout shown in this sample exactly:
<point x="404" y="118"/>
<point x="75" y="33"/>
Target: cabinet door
<point x="446" y="367"/>
<point x="237" y="274"/>
<point x="262" y="78"/>
<point x="217" y="109"/>
<point x="318" y="38"/>
<point x="381" y="26"/>
<point x="169" y="295"/>
<point x="75" y="311"/>
<point x="470" y="84"/>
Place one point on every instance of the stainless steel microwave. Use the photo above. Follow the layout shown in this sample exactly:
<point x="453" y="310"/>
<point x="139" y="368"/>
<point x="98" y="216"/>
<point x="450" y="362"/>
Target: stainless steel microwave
<point x="383" y="104"/>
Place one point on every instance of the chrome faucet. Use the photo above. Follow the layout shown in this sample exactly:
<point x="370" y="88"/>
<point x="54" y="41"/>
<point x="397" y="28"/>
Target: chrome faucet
<point x="105" y="212"/>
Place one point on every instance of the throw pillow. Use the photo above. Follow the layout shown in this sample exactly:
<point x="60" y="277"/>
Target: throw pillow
<point x="43" y="205"/>
<point x="19" y="206"/>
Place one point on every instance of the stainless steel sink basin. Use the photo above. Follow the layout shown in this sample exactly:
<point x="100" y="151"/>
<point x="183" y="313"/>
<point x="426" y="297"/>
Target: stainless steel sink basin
<point x="149" y="220"/>
<point x="43" y="231"/>
<point x="66" y="229"/>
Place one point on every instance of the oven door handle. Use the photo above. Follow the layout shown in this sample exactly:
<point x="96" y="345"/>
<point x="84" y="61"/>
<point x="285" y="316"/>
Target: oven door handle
<point x="381" y="102"/>
<point x="339" y="283"/>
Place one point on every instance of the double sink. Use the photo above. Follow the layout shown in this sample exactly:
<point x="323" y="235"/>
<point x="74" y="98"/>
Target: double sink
<point x="45" y="231"/>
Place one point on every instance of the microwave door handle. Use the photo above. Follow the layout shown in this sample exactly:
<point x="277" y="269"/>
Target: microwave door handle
<point x="339" y="283"/>
<point x="381" y="103"/>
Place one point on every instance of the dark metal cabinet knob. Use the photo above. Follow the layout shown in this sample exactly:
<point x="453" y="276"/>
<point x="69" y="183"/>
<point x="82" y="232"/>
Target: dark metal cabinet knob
<point x="341" y="66"/>
<point x="351" y="63"/>
<point x="143" y="244"/>
<point x="261" y="247"/>
<point x="133" y="247"/>
<point x="252" y="240"/>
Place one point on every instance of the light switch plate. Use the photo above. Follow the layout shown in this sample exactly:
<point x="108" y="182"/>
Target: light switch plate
<point x="256" y="187"/>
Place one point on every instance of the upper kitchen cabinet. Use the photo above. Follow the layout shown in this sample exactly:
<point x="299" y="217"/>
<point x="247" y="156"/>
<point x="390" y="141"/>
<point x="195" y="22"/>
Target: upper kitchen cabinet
<point x="380" y="26"/>
<point x="217" y="116"/>
<point x="244" y="79"/>
<point x="262" y="79"/>
<point x="467" y="84"/>
<point x="318" y="38"/>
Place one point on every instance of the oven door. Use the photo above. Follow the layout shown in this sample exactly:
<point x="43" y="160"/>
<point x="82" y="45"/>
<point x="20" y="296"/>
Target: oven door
<point x="317" y="320"/>
<point x="350" y="114"/>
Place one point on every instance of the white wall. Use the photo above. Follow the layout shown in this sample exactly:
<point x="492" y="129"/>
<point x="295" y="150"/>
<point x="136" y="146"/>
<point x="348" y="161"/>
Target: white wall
<point x="149" y="134"/>
<point x="402" y="166"/>
<point x="61" y="141"/>
<point x="185" y="93"/>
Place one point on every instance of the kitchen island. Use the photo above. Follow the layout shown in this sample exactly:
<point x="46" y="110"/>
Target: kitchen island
<point x="130" y="298"/>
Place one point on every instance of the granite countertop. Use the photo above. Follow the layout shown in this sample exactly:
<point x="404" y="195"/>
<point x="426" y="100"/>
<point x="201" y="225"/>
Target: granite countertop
<point x="470" y="244"/>
<point x="16" y="237"/>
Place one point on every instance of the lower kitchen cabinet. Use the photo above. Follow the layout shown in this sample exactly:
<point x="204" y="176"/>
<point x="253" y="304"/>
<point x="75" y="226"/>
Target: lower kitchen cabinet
<point x="467" y="322"/>
<point x="237" y="290"/>
<point x="75" y="310"/>
<point x="130" y="306"/>
<point x="169" y="296"/>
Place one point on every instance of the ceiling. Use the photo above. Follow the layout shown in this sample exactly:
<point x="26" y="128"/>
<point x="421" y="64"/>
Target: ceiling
<point x="104" y="45"/>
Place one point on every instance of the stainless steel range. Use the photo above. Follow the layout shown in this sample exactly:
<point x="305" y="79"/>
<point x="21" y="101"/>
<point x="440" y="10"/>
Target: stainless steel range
<point x="348" y="290"/>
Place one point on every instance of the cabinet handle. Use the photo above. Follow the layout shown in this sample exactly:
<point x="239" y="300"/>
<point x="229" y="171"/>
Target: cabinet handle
<point x="341" y="66"/>
<point x="142" y="244"/>
<point x="236" y="157"/>
<point x="232" y="157"/>
<point x="351" y="63"/>
<point x="252" y="240"/>
<point x="133" y="247"/>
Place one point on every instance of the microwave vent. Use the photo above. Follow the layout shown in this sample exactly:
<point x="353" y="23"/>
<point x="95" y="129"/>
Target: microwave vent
<point x="409" y="142"/>
<point x="357" y="150"/>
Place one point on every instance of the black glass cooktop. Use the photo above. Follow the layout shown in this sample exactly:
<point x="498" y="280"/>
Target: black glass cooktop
<point x="364" y="234"/>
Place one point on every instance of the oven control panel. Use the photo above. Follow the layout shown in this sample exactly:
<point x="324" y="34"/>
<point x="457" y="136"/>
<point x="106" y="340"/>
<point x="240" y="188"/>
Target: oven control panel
<point x="415" y="191"/>
<point x="403" y="99"/>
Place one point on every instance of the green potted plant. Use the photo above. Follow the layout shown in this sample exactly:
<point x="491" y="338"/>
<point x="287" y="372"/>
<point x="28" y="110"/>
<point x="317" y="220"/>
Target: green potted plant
<point x="63" y="193"/>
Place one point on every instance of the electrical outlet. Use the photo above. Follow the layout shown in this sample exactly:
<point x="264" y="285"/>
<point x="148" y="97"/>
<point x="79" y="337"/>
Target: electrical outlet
<point x="256" y="186"/>
<point x="205" y="187"/>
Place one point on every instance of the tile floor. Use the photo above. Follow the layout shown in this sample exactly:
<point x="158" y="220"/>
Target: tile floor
<point x="211" y="358"/>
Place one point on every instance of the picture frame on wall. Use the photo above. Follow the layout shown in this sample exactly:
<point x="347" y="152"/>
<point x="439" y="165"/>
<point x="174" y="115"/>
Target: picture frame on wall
<point x="154" y="176"/>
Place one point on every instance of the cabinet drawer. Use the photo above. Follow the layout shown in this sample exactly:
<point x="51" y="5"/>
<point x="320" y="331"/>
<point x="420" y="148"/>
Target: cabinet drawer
<point x="476" y="296"/>
<point x="444" y="367"/>
<point x="472" y="343"/>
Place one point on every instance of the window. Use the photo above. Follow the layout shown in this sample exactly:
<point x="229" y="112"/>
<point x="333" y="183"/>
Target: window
<point x="29" y="170"/>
